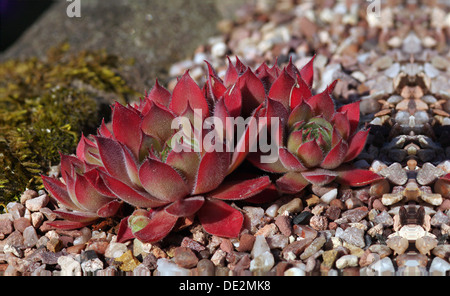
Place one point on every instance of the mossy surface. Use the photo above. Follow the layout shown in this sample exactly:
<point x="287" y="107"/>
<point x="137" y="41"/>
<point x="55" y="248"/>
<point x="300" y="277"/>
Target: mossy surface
<point x="44" y="108"/>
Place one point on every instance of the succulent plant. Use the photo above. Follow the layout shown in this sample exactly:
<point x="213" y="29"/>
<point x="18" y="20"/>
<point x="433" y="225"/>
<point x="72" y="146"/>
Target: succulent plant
<point x="138" y="161"/>
<point x="315" y="142"/>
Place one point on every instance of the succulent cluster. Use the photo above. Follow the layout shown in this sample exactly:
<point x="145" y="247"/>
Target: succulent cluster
<point x="156" y="155"/>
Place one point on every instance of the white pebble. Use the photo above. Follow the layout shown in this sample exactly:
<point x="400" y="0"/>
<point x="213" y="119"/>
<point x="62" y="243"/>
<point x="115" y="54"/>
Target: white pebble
<point x="439" y="266"/>
<point x="263" y="262"/>
<point x="69" y="266"/>
<point x="347" y="261"/>
<point x="219" y="49"/>
<point x="295" y="271"/>
<point x="272" y="210"/>
<point x="329" y="196"/>
<point x="260" y="246"/>
<point x="168" y="268"/>
<point x="383" y="267"/>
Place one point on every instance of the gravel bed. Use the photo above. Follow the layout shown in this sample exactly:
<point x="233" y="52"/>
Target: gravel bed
<point x="397" y="68"/>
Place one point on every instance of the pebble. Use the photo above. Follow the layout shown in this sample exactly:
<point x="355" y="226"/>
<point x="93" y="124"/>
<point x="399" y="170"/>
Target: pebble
<point x="292" y="207"/>
<point x="352" y="235"/>
<point x="246" y="242"/>
<point x="129" y="262"/>
<point x="441" y="251"/>
<point x="425" y="244"/>
<point x="205" y="267"/>
<point x="115" y="250"/>
<point x="439" y="267"/>
<point x="314" y="247"/>
<point x="260" y="246"/>
<point x="92" y="265"/>
<point x="295" y="271"/>
<point x="284" y="224"/>
<point x="28" y="194"/>
<point x="167" y="267"/>
<point x="398" y="244"/>
<point x="6" y="227"/>
<point x="318" y="222"/>
<point x="37" y="203"/>
<point x="30" y="237"/>
<point x="347" y="261"/>
<point x="382" y="267"/>
<point x="329" y="196"/>
<point x="329" y="257"/>
<point x="141" y="270"/>
<point x="185" y="257"/>
<point x="69" y="266"/>
<point x="262" y="262"/>
<point x="21" y="223"/>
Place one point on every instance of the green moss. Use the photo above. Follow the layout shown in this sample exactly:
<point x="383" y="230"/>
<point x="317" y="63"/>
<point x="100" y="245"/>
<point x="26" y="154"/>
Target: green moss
<point x="44" y="108"/>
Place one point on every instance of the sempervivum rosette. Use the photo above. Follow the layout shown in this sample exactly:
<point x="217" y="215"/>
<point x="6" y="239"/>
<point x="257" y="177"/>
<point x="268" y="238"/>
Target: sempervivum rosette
<point x="138" y="161"/>
<point x="315" y="142"/>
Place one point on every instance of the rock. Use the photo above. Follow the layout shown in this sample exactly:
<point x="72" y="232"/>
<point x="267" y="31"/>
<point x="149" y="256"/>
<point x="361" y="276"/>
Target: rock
<point x="272" y="210"/>
<point x="382" y="267"/>
<point x="267" y="230"/>
<point x="185" y="257"/>
<point x="218" y="258"/>
<point x="253" y="217"/>
<point x="381" y="250"/>
<point x="21" y="223"/>
<point x="354" y="236"/>
<point x="439" y="218"/>
<point x="355" y="215"/>
<point x="329" y="257"/>
<point x="329" y="196"/>
<point x="278" y="241"/>
<point x="318" y="222"/>
<point x="314" y="247"/>
<point x="260" y="246"/>
<point x="379" y="188"/>
<point x="35" y="204"/>
<point x="412" y="259"/>
<point x="395" y="174"/>
<point x="54" y="245"/>
<point x="439" y="267"/>
<point x="284" y="224"/>
<point x="28" y="194"/>
<point x="333" y="213"/>
<point x="384" y="218"/>
<point x="6" y="227"/>
<point x="168" y="268"/>
<point x="425" y="244"/>
<point x="205" y="267"/>
<point x="115" y="250"/>
<point x="292" y="207"/>
<point x="192" y="244"/>
<point x="69" y="266"/>
<point x="30" y="237"/>
<point x="262" y="262"/>
<point x="441" y="251"/>
<point x="92" y="265"/>
<point x="303" y="217"/>
<point x="84" y="238"/>
<point x="129" y="262"/>
<point x="141" y="270"/>
<point x="398" y="244"/>
<point x="368" y="258"/>
<point x="391" y="198"/>
<point x="295" y="271"/>
<point x="347" y="261"/>
<point x="36" y="219"/>
<point x="246" y="242"/>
